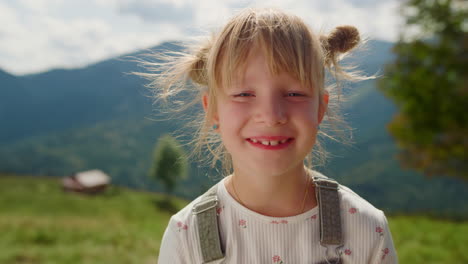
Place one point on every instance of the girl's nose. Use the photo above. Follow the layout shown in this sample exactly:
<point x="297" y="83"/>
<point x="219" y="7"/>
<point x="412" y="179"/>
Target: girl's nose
<point x="271" y="112"/>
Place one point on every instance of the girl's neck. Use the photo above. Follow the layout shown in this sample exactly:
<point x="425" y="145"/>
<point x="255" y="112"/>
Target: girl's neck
<point x="278" y="196"/>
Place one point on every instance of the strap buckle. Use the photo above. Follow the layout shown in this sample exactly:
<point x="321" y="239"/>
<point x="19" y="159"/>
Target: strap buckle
<point x="326" y="183"/>
<point x="205" y="205"/>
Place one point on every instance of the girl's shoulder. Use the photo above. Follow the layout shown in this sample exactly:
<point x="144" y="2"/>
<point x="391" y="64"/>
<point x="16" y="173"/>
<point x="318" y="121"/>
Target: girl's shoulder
<point x="353" y="204"/>
<point x="360" y="212"/>
<point x="353" y="201"/>
<point x="181" y="236"/>
<point x="185" y="217"/>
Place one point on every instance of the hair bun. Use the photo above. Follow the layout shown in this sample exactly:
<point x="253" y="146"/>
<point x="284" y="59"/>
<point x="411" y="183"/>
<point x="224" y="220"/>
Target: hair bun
<point x="197" y="70"/>
<point x="342" y="39"/>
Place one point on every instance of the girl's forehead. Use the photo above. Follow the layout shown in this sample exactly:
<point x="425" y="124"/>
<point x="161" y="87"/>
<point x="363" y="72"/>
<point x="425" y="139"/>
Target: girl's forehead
<point x="267" y="76"/>
<point x="264" y="61"/>
<point x="256" y="69"/>
<point x="255" y="66"/>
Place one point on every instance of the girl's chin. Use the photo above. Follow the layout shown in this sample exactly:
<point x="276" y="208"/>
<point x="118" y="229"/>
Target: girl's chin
<point x="266" y="167"/>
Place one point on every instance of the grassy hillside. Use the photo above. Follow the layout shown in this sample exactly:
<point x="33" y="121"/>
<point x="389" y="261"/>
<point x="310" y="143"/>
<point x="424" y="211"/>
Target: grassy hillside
<point x="39" y="223"/>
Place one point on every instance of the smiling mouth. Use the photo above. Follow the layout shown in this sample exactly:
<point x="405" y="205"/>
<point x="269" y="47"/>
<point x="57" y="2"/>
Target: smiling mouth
<point x="270" y="142"/>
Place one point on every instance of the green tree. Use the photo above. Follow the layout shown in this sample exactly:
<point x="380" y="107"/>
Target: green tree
<point x="428" y="83"/>
<point x="170" y="163"/>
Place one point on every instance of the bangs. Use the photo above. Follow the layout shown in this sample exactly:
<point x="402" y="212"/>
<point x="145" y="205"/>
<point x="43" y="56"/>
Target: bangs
<point x="285" y="42"/>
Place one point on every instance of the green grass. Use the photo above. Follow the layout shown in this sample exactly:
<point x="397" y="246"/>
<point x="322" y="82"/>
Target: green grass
<point x="39" y="223"/>
<point x="424" y="240"/>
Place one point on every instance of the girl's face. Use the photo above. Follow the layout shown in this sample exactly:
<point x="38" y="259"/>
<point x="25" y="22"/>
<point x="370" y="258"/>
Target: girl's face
<point x="267" y="123"/>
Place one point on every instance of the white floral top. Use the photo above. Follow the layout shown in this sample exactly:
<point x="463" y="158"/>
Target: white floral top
<point x="249" y="237"/>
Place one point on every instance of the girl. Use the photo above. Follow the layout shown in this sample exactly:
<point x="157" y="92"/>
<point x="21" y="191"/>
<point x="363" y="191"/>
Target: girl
<point x="261" y="82"/>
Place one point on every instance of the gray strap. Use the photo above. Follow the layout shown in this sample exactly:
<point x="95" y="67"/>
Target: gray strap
<point x="329" y="207"/>
<point x="208" y="232"/>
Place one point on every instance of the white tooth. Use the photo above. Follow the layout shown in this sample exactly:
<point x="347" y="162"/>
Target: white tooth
<point x="265" y="143"/>
<point x="283" y="141"/>
<point x="254" y="140"/>
<point x="273" y="143"/>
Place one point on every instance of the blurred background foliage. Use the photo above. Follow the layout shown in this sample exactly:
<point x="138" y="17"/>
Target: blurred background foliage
<point x="428" y="83"/>
<point x="169" y="163"/>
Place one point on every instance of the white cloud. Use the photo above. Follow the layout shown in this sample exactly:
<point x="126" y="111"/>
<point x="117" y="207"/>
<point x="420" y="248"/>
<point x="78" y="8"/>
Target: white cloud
<point x="158" y="11"/>
<point x="44" y="34"/>
<point x="378" y="20"/>
<point x="40" y="37"/>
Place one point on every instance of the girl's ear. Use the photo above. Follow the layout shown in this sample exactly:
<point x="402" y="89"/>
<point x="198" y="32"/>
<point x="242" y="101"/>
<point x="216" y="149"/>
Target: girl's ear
<point x="323" y="107"/>
<point x="205" y="103"/>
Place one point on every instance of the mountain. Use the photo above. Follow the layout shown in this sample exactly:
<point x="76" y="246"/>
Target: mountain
<point x="72" y="99"/>
<point x="62" y="121"/>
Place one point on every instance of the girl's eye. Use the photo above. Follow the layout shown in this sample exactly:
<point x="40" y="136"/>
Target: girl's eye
<point x="243" y="95"/>
<point x="247" y="94"/>
<point x="295" y="94"/>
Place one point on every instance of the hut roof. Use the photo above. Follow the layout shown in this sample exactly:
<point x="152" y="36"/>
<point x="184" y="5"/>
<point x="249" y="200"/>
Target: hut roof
<point x="92" y="178"/>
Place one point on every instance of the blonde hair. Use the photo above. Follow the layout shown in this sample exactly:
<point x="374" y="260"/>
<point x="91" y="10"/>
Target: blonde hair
<point x="288" y="45"/>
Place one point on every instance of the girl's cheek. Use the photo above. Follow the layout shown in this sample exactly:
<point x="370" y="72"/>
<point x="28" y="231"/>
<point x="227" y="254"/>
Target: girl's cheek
<point x="235" y="111"/>
<point x="305" y="115"/>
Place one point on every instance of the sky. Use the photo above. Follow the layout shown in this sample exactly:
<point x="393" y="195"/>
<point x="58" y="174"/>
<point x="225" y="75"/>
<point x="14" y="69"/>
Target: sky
<point x="38" y="35"/>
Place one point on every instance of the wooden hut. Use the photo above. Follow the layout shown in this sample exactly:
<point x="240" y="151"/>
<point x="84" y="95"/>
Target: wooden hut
<point x="92" y="181"/>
